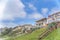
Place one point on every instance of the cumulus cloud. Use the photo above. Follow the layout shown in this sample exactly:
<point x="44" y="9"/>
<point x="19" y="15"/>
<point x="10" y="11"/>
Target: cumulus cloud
<point x="14" y="9"/>
<point x="1" y="25"/>
<point x="11" y="9"/>
<point x="2" y="6"/>
<point x="35" y="15"/>
<point x="44" y="10"/>
<point x="10" y="24"/>
<point x="31" y="6"/>
<point x="54" y="10"/>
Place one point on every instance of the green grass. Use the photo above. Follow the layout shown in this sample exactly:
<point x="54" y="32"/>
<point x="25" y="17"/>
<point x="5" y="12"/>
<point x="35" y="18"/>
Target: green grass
<point x="55" y="35"/>
<point x="33" y="36"/>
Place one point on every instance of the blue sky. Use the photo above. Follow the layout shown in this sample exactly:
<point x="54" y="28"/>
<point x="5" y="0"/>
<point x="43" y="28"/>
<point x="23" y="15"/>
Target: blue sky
<point x="17" y="12"/>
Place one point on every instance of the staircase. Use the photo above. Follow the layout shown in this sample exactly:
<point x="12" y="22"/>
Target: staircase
<point x="44" y="34"/>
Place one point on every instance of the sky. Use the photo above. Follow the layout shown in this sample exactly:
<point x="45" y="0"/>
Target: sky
<point x="18" y="12"/>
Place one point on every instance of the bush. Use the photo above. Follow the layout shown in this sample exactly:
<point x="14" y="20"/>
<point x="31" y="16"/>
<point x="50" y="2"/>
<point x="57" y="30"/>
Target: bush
<point x="52" y="25"/>
<point x="6" y="31"/>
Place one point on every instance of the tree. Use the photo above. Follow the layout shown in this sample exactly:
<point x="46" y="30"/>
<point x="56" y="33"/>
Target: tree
<point x="52" y="26"/>
<point x="6" y="31"/>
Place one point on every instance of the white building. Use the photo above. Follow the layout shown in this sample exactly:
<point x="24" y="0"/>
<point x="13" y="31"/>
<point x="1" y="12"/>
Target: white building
<point x="51" y="18"/>
<point x="54" y="18"/>
<point x="27" y="26"/>
<point x="42" y="22"/>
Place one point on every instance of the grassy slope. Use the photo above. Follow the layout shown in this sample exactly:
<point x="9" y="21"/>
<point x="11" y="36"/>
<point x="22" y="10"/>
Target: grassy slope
<point x="55" y="35"/>
<point x="33" y="36"/>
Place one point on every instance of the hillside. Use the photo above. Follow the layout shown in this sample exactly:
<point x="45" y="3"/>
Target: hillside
<point x="55" y="35"/>
<point x="33" y="36"/>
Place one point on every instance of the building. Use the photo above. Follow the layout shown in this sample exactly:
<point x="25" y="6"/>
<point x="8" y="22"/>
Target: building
<point x="53" y="18"/>
<point x="17" y="28"/>
<point x="42" y="22"/>
<point x="23" y="28"/>
<point x="27" y="28"/>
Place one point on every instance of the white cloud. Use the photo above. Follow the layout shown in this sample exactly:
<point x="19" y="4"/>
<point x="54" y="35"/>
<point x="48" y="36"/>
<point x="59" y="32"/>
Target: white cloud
<point x="54" y="10"/>
<point x="8" y="17"/>
<point x="21" y="14"/>
<point x="44" y="10"/>
<point x="10" y="24"/>
<point x="1" y="26"/>
<point x="13" y="9"/>
<point x="2" y="7"/>
<point x="35" y="15"/>
<point x="31" y="6"/>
